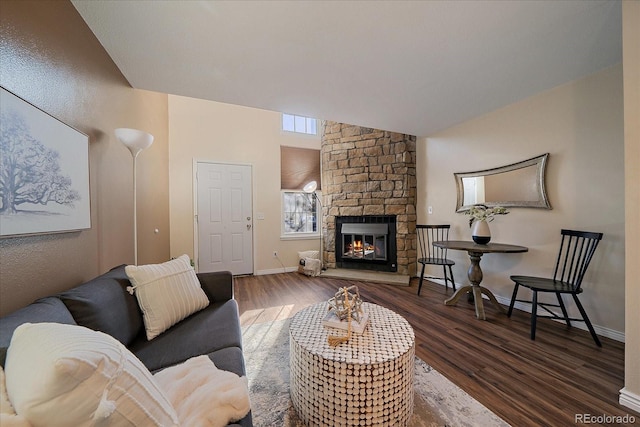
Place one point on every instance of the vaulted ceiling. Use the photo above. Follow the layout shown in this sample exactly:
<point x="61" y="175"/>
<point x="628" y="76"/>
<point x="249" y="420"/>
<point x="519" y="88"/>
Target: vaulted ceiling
<point x="414" y="67"/>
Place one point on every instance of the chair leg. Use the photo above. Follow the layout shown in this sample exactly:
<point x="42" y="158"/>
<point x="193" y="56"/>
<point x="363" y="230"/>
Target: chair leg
<point x="453" y="282"/>
<point x="421" y="278"/>
<point x="563" y="308"/>
<point x="534" y="314"/>
<point x="446" y="283"/>
<point x="586" y="320"/>
<point x="513" y="299"/>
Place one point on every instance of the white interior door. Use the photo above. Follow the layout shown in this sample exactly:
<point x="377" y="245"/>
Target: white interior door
<point x="224" y="218"/>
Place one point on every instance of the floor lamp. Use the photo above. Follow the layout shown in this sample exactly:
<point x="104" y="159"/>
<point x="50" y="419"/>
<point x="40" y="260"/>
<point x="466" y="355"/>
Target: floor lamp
<point x="310" y="188"/>
<point x="136" y="141"/>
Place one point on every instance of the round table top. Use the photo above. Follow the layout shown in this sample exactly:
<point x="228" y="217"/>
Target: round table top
<point x="386" y="337"/>
<point x="470" y="246"/>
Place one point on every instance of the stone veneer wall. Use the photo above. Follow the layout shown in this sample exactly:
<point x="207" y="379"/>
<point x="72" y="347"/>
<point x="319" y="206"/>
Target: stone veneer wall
<point x="369" y="172"/>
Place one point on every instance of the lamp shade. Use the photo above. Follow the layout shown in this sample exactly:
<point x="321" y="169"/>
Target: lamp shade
<point x="310" y="187"/>
<point x="135" y="140"/>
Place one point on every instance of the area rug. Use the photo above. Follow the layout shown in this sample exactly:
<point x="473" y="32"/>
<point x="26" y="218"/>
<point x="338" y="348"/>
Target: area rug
<point x="438" y="402"/>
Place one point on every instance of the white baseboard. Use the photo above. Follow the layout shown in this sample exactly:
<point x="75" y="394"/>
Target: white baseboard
<point x="600" y="330"/>
<point x="630" y="400"/>
<point x="276" y="271"/>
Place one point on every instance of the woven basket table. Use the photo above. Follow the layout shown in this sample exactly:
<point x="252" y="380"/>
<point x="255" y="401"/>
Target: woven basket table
<point x="367" y="381"/>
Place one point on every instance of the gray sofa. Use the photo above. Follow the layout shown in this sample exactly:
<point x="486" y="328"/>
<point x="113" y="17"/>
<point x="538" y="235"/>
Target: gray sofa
<point x="103" y="304"/>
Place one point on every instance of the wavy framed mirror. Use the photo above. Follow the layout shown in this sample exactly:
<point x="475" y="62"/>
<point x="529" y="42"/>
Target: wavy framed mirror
<point x="519" y="184"/>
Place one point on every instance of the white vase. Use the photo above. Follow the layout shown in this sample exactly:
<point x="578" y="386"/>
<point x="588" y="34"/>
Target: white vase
<point x="480" y="232"/>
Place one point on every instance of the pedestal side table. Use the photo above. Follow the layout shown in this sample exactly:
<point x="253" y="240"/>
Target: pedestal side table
<point x="367" y="381"/>
<point x="474" y="273"/>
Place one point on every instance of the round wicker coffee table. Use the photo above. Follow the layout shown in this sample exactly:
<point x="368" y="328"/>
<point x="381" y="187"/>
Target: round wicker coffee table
<point x="367" y="381"/>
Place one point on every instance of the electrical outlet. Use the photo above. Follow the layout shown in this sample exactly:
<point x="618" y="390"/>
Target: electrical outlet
<point x="430" y="210"/>
<point x="275" y="254"/>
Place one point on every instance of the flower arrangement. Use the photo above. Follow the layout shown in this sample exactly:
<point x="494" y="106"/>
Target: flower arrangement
<point x="484" y="213"/>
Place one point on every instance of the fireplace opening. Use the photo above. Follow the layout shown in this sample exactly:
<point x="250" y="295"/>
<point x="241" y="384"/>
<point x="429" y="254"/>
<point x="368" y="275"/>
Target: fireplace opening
<point x="366" y="242"/>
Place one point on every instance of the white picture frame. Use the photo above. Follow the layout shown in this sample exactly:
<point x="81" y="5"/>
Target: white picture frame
<point x="44" y="172"/>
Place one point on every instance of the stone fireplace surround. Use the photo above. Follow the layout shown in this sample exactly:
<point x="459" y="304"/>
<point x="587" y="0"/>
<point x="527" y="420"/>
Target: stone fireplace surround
<point x="366" y="172"/>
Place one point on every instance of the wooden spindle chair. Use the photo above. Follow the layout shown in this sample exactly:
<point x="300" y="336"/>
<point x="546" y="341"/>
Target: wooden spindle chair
<point x="429" y="254"/>
<point x="575" y="254"/>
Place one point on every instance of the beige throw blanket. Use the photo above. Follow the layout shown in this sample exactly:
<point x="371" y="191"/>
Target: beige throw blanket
<point x="8" y="416"/>
<point x="204" y="395"/>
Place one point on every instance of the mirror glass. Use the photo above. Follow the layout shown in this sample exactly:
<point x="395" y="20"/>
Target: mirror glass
<point x="517" y="185"/>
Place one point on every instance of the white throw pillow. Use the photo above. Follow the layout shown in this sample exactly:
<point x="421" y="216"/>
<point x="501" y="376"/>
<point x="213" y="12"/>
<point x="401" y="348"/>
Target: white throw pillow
<point x="69" y="375"/>
<point x="166" y="293"/>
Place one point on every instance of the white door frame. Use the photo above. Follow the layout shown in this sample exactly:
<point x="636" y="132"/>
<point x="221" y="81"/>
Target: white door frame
<point x="194" y="185"/>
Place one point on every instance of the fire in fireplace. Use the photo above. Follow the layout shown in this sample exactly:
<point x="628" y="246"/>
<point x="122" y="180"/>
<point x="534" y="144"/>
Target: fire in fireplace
<point x="366" y="242"/>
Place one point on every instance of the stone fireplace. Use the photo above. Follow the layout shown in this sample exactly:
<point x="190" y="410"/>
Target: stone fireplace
<point x="368" y="174"/>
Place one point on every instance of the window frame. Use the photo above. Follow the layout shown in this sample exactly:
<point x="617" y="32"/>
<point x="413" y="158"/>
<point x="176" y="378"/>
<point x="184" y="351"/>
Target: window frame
<point x="295" y="118"/>
<point x="297" y="235"/>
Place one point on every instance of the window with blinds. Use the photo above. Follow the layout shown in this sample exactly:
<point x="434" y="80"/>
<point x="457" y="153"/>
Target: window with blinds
<point x="300" y="211"/>
<point x="298" y="166"/>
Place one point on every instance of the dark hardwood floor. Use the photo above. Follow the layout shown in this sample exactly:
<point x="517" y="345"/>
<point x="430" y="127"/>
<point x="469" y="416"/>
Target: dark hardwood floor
<point x="545" y="382"/>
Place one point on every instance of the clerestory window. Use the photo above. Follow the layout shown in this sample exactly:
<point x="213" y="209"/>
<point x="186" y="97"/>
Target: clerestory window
<point x="299" y="124"/>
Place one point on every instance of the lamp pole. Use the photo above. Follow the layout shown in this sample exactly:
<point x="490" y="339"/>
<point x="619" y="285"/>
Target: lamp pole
<point x="310" y="188"/>
<point x="135" y="207"/>
<point x="321" y="231"/>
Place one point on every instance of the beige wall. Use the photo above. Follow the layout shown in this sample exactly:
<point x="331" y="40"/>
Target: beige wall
<point x="581" y="125"/>
<point x="49" y="57"/>
<point x="631" y="54"/>
<point x="217" y="132"/>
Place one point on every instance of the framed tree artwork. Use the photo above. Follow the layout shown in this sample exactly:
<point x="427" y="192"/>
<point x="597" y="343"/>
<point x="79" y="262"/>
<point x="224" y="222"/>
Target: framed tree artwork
<point x="44" y="172"/>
